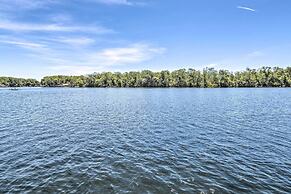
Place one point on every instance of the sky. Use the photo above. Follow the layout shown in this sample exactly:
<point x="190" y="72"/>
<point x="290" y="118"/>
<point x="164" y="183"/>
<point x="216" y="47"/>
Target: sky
<point x="77" y="37"/>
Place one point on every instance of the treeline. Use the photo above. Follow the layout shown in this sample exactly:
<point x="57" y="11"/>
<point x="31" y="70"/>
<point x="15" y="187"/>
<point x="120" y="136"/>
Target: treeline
<point x="207" y="78"/>
<point x="18" y="82"/>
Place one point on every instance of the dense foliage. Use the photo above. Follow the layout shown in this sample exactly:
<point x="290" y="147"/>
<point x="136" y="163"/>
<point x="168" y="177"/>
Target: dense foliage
<point x="18" y="82"/>
<point x="208" y="78"/>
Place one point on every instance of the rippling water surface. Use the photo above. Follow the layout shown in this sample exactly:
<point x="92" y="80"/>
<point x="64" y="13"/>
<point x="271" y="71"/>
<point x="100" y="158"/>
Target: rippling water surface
<point x="145" y="141"/>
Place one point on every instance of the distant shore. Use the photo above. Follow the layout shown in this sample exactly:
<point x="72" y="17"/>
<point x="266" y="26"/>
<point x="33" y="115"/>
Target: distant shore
<point x="182" y="78"/>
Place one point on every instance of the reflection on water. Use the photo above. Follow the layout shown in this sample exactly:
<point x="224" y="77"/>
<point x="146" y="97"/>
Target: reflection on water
<point x="145" y="141"/>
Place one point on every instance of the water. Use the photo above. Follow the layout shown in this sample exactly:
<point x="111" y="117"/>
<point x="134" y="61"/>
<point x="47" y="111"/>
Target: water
<point x="145" y="141"/>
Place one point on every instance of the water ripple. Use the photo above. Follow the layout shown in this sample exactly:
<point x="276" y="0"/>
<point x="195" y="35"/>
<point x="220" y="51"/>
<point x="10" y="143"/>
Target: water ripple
<point x="145" y="141"/>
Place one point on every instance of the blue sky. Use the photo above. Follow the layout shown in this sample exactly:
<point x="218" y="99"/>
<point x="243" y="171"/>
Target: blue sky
<point x="73" y="37"/>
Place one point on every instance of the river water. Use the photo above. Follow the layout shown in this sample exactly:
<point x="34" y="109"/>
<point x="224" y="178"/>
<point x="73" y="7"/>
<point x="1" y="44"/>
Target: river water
<point x="61" y="140"/>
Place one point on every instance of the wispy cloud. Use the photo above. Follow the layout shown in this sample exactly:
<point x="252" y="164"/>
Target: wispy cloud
<point x="15" y="26"/>
<point x="74" y="41"/>
<point x="246" y="8"/>
<point x="76" y="60"/>
<point x="116" y="2"/>
<point x="132" y="54"/>
<point x="84" y="63"/>
<point x="60" y="18"/>
<point x="23" y="44"/>
<point x="212" y="65"/>
<point x="13" y="5"/>
<point x="120" y="2"/>
<point x="104" y="59"/>
<point x="75" y="69"/>
<point x="256" y="54"/>
<point x="25" y="4"/>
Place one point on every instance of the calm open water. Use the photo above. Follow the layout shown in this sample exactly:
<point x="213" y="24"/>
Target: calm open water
<point x="60" y="140"/>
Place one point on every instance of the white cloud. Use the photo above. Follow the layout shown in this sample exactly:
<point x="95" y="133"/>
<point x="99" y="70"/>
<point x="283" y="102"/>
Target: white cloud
<point x="23" y="44"/>
<point x="213" y="65"/>
<point x="60" y="18"/>
<point x="256" y="54"/>
<point x="50" y="44"/>
<point x="72" y="55"/>
<point x="132" y="54"/>
<point x="74" y="41"/>
<point x="83" y="63"/>
<point x="117" y="2"/>
<point x="13" y="5"/>
<point x="74" y="69"/>
<point x="24" y="4"/>
<point x="246" y="8"/>
<point x="120" y="2"/>
<point x="15" y="26"/>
